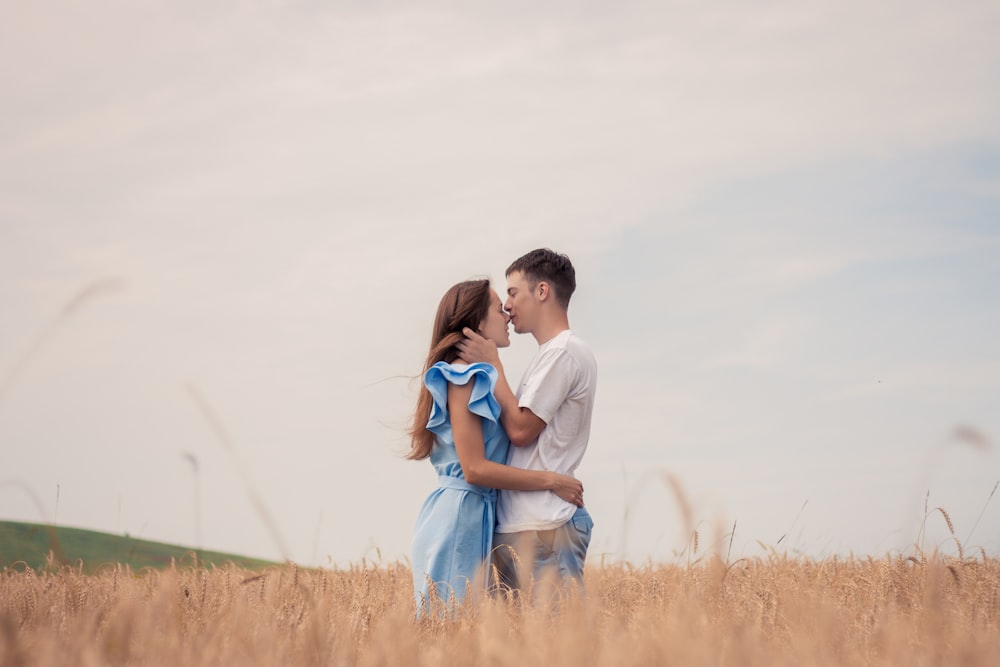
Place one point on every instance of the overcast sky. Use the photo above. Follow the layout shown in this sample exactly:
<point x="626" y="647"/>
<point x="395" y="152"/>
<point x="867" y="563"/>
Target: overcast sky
<point x="225" y="227"/>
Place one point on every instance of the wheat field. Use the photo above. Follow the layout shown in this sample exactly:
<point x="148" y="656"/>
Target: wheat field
<point x="774" y="610"/>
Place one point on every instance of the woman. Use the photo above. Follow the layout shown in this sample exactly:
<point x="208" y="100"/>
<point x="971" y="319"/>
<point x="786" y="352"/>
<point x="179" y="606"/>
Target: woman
<point x="457" y="426"/>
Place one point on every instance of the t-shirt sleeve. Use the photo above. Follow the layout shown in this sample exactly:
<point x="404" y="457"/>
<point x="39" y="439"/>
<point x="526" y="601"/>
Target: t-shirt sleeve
<point x="550" y="384"/>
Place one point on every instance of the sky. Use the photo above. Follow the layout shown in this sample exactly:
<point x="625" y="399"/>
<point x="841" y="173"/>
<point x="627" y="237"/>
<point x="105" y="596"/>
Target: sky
<point x="225" y="227"/>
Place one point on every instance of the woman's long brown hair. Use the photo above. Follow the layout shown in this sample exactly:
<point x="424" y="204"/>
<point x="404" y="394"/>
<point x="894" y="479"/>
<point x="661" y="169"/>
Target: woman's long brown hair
<point x="464" y="305"/>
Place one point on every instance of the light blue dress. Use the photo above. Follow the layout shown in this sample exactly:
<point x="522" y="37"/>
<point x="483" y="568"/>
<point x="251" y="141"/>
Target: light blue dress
<point x="454" y="532"/>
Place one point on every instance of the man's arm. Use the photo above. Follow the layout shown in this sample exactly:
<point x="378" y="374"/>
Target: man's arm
<point x="521" y="424"/>
<point x="468" y="432"/>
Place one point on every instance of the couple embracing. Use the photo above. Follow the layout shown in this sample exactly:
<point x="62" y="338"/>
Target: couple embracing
<point x="506" y="496"/>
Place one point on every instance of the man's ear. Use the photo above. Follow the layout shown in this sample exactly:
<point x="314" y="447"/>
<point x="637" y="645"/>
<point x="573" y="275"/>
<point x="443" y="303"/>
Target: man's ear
<point x="543" y="291"/>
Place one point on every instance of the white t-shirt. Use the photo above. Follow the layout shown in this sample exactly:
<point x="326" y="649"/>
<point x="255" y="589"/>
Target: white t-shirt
<point x="558" y="386"/>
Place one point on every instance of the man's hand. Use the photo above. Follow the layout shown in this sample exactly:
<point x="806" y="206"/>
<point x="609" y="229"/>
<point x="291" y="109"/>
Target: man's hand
<point x="476" y="348"/>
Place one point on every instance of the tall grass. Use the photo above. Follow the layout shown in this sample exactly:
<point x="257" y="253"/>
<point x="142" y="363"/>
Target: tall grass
<point x="775" y="610"/>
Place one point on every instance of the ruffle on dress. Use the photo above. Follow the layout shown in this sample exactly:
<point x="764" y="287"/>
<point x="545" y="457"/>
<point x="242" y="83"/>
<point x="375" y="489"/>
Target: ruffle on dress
<point x="482" y="402"/>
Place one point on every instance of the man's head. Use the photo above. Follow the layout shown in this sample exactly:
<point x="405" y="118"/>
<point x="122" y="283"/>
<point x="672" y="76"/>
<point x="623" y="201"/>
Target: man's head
<point x="539" y="282"/>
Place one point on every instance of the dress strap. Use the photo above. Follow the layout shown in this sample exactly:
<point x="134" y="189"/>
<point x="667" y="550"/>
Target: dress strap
<point x="447" y="482"/>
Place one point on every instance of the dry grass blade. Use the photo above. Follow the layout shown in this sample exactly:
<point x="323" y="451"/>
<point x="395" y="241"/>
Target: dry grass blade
<point x="794" y="521"/>
<point x="947" y="519"/>
<point x="732" y="535"/>
<point x="982" y="511"/>
<point x="676" y="489"/>
<point x="222" y="434"/>
<point x="38" y="343"/>
<point x="683" y="504"/>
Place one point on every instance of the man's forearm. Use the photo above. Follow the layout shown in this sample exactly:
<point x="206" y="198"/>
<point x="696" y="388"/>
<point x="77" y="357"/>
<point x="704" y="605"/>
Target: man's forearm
<point x="507" y="400"/>
<point x="521" y="424"/>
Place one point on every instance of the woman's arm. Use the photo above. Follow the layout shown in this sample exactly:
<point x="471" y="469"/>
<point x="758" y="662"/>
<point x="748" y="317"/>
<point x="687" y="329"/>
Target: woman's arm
<point x="467" y="429"/>
<point x="521" y="424"/>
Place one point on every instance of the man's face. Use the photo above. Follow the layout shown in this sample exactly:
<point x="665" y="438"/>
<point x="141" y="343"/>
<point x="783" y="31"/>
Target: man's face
<point x="521" y="304"/>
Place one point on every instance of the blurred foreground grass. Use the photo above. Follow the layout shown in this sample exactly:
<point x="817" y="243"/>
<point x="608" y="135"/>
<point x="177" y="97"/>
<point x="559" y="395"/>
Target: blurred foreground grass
<point x="777" y="610"/>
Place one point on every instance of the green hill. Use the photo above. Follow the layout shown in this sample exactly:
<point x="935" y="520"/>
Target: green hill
<point x="31" y="544"/>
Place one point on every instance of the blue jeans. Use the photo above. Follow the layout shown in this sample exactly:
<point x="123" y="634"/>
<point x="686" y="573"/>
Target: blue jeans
<point x="561" y="550"/>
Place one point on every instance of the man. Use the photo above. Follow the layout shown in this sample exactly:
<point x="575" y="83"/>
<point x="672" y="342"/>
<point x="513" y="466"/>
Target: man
<point x="548" y="420"/>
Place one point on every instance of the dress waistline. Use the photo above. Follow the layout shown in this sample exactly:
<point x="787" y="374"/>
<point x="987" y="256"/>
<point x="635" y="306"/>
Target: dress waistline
<point x="458" y="483"/>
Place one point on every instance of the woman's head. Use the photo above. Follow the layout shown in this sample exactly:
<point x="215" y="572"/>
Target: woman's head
<point x="471" y="304"/>
<point x="495" y="325"/>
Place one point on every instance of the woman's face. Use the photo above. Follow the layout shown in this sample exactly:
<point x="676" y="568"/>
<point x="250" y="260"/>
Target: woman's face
<point x="494" y="325"/>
